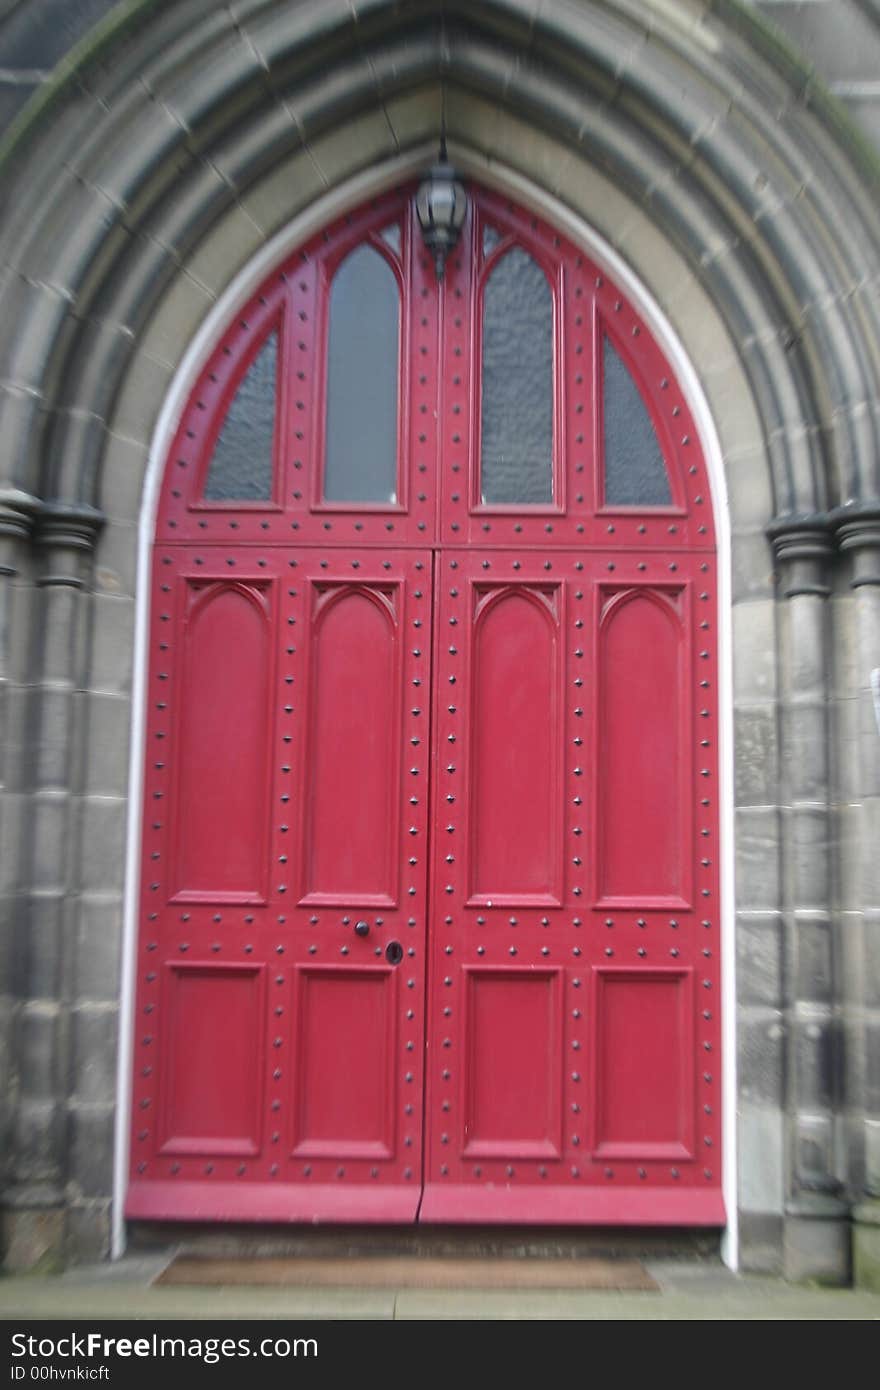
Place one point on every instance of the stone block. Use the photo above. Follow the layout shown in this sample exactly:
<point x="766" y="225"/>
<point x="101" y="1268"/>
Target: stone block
<point x="813" y="1146"/>
<point x="102" y="846"/>
<point x="759" y="959"/>
<point x="804" y="649"/>
<point x="871" y="964"/>
<point x="869" y="840"/>
<point x="14" y="866"/>
<point x="807" y="831"/>
<point x="50" y="751"/>
<point x="98" y="948"/>
<point x="844" y="720"/>
<point x="852" y="1068"/>
<point x="760" y="1053"/>
<point x="228" y="246"/>
<point x="60" y="617"/>
<point x="116" y="559"/>
<point x="33" y="1241"/>
<point x="736" y="419"/>
<point x="39" y="935"/>
<point x="355" y="146"/>
<point x="866" y="1246"/>
<point x="849" y="939"/>
<point x="107" y="721"/>
<point x="122" y="477"/>
<point x="90" y="1148"/>
<point x="275" y="199"/>
<point x="177" y="320"/>
<point x="846" y="829"/>
<point x="816" y="1046"/>
<point x="16" y="706"/>
<point x="841" y="47"/>
<point x="816" y="1243"/>
<point x="38" y="1148"/>
<point x="88" y="1232"/>
<point x="112" y="644"/>
<point x="95" y="1031"/>
<point x="760" y="1242"/>
<point x="813" y="941"/>
<point x="49" y="834"/>
<point x="754" y="650"/>
<point x="761" y="1145"/>
<point x="757" y="859"/>
<point x="805" y="748"/>
<point x="37" y="1037"/>
<point x="846" y="669"/>
<point x="23" y="631"/>
<point x="414" y="116"/>
<point x="871" y="1099"/>
<point x="872" y="1156"/>
<point x="140" y="399"/>
<point x="752" y="573"/>
<point x="37" y="35"/>
<point x="756" y="759"/>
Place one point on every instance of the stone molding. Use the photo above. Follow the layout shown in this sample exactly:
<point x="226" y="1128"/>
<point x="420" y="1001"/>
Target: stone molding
<point x="67" y="534"/>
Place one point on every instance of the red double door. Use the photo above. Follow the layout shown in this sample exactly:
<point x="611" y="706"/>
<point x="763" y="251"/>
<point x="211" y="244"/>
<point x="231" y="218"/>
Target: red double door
<point x="430" y="886"/>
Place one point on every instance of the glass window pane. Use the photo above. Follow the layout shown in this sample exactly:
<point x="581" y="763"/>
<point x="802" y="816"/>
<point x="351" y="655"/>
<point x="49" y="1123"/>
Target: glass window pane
<point x="491" y="238"/>
<point x="362" y="366"/>
<point x="635" y="474"/>
<point x="517" y="384"/>
<point x="391" y="236"/>
<point x="241" y="467"/>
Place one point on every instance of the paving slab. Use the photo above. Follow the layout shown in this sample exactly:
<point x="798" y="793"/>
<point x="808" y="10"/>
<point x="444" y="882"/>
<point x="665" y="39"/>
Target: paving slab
<point x="700" y="1290"/>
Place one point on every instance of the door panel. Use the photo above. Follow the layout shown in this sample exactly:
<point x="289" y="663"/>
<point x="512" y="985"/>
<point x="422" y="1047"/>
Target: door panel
<point x="290" y="1037"/>
<point x="561" y="1058"/>
<point x="515" y="775"/>
<point x="221" y="783"/>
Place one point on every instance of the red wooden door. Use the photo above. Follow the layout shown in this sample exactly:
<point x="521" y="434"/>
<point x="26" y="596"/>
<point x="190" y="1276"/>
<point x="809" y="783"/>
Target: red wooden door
<point x="430" y="883"/>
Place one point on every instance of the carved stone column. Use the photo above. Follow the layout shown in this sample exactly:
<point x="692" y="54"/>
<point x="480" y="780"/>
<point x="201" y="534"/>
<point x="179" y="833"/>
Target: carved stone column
<point x="64" y="537"/>
<point x="858" y="536"/>
<point x="816" y="1238"/>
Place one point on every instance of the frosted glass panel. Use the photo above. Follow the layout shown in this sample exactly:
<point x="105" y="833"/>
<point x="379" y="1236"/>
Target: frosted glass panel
<point x="362" y="366"/>
<point x="635" y="474"/>
<point x="517" y="402"/>
<point x="241" y="468"/>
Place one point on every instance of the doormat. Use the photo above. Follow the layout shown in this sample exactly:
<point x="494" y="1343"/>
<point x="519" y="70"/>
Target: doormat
<point x="407" y="1272"/>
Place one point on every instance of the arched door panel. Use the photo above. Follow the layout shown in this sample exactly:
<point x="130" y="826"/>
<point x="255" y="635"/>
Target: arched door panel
<point x="429" y="903"/>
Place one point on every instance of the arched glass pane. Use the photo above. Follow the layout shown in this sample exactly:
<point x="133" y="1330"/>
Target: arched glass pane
<point x="635" y="474"/>
<point x="362" y="367"/>
<point x="241" y="466"/>
<point x="516" y="464"/>
<point x="491" y="238"/>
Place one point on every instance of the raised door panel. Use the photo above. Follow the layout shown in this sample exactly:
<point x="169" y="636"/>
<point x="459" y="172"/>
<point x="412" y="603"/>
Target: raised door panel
<point x="643" y="1055"/>
<point x="351" y="784"/>
<point x="643" y="763"/>
<point x="515" y="752"/>
<point x="226" y="658"/>
<point x="345" y="1077"/>
<point x="211" y="1096"/>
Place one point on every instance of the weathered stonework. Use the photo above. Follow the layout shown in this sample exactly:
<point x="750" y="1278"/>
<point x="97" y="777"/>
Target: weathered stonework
<point x="710" y="158"/>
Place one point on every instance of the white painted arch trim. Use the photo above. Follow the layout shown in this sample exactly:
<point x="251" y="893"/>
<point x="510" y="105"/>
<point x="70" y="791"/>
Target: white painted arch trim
<point x="324" y="210"/>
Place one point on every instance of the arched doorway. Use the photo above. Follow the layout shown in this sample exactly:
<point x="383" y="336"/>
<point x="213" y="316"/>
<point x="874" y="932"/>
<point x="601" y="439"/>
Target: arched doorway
<point x="429" y="904"/>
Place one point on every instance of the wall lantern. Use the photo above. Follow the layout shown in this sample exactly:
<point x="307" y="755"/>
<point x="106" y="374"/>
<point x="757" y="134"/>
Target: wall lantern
<point x="441" y="204"/>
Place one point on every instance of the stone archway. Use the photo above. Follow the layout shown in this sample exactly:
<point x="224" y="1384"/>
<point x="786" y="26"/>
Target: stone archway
<point x="752" y="232"/>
